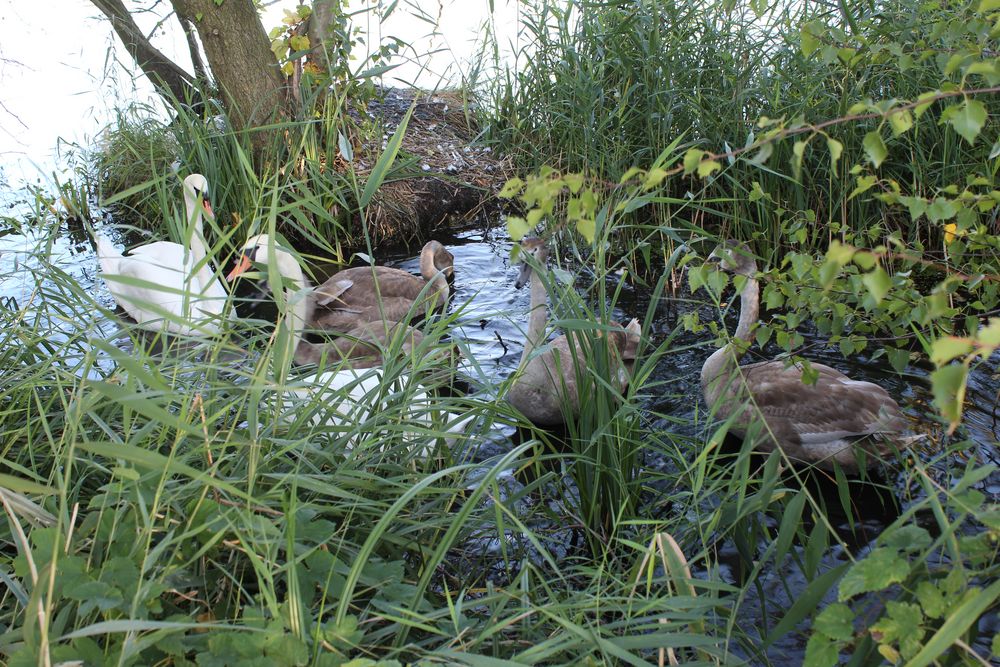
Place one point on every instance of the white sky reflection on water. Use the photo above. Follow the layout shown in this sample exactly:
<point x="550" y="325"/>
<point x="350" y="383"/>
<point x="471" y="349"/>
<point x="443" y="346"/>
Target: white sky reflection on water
<point x="63" y="72"/>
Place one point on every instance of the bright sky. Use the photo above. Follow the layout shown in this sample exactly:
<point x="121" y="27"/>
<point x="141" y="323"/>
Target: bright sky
<point x="59" y="77"/>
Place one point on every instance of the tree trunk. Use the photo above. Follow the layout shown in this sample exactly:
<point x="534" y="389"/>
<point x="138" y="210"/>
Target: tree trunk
<point x="239" y="55"/>
<point x="161" y="71"/>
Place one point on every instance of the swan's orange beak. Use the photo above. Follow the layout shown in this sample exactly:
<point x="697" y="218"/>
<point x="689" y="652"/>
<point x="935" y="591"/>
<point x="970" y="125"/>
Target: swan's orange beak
<point x="208" y="208"/>
<point x="241" y="267"/>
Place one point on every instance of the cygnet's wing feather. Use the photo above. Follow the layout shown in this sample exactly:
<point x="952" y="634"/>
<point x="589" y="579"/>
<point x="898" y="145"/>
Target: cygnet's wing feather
<point x="833" y="408"/>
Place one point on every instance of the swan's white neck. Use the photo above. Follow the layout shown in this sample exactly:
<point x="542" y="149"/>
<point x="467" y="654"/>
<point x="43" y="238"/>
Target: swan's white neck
<point x="195" y="230"/>
<point x="538" y="315"/>
<point x="727" y="357"/>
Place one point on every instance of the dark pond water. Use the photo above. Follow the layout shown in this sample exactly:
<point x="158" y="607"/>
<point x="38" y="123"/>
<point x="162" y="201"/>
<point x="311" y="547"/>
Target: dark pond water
<point x="491" y="326"/>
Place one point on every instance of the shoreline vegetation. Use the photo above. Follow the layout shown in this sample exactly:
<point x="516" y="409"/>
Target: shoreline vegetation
<point x="176" y="501"/>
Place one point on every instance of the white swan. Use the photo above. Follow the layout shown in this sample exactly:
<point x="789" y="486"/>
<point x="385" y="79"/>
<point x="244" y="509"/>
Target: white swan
<point x="349" y="396"/>
<point x="165" y="285"/>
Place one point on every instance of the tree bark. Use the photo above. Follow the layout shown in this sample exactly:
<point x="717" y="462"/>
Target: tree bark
<point x="161" y="71"/>
<point x="239" y="55"/>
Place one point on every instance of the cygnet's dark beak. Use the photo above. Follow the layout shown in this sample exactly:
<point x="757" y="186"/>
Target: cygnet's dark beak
<point x="523" y="276"/>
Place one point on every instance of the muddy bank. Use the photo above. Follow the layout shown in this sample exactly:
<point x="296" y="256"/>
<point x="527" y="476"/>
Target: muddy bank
<point x="446" y="176"/>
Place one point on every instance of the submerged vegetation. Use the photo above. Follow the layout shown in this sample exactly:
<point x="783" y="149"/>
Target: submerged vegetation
<point x="176" y="501"/>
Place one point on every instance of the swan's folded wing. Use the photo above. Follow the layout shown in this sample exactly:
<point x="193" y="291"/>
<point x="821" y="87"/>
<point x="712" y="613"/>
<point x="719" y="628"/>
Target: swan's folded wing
<point x="833" y="407"/>
<point x="330" y="291"/>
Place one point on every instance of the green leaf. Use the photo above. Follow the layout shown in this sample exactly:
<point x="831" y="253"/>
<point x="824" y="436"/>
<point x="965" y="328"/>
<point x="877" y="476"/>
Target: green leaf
<point x="763" y="153"/>
<point x="875" y="148"/>
<point x="959" y="620"/>
<point x="898" y="359"/>
<point x="945" y="349"/>
<point x="808" y="42"/>
<point x="941" y="209"/>
<point x="916" y="205"/>
<point x="907" y="538"/>
<point x="586" y="227"/>
<point x="517" y="227"/>
<point x="948" y="387"/>
<point x="865" y="184"/>
<point x="926" y="100"/>
<point x="798" y="152"/>
<point x="864" y="259"/>
<point x="931" y="599"/>
<point x="900" y="121"/>
<point x="836" y="150"/>
<point x="989" y="5"/>
<point x="901" y="625"/>
<point x="836" y="622"/>
<point x="821" y="652"/>
<point x="882" y="568"/>
<point x="878" y="283"/>
<point x="969" y="119"/>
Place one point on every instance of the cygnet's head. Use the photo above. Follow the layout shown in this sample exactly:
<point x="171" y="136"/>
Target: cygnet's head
<point x="734" y="257"/>
<point x="534" y="247"/>
<point x="443" y="260"/>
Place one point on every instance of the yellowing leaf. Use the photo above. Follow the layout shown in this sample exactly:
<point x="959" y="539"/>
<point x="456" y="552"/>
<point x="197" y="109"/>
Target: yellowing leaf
<point x="840" y="253"/>
<point x="586" y="227"/>
<point x="990" y="335"/>
<point x="517" y="227"/>
<point x="949" y="232"/>
<point x="299" y="43"/>
<point x="900" y="121"/>
<point x="511" y="188"/>
<point x="691" y="160"/>
<point x="706" y="167"/>
<point x="836" y="150"/>
<point x="945" y="349"/>
<point x="574" y="182"/>
<point x="654" y="177"/>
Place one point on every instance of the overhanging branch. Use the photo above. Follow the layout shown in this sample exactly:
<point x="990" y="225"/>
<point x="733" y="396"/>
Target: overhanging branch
<point x="172" y="82"/>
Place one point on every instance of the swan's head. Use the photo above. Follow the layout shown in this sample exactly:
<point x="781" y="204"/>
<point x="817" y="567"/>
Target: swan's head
<point x="196" y="191"/>
<point x="626" y="338"/>
<point x="734" y="257"/>
<point x="259" y="250"/>
<point x="443" y="260"/>
<point x="530" y="247"/>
